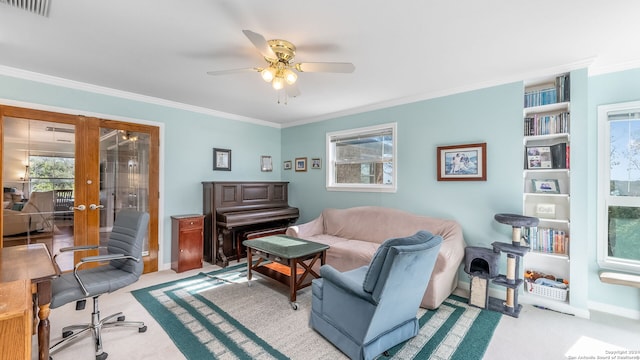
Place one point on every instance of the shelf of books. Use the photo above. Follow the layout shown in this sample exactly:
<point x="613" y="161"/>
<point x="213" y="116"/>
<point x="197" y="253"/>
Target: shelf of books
<point x="547" y="191"/>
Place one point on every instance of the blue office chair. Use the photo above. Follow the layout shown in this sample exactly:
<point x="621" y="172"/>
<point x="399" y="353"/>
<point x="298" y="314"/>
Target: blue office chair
<point x="368" y="310"/>
<point x="124" y="267"/>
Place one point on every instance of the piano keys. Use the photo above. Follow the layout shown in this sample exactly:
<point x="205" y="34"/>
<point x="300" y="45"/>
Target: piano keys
<point x="235" y="210"/>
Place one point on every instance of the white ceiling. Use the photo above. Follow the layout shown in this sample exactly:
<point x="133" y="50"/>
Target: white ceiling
<point x="403" y="50"/>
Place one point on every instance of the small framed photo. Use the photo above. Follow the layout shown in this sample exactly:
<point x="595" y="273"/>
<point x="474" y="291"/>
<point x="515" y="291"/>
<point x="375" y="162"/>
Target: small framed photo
<point x="265" y="163"/>
<point x="301" y="164"/>
<point x="462" y="162"/>
<point x="549" y="186"/>
<point x="539" y="157"/>
<point x="287" y="165"/>
<point x="221" y="159"/>
<point x="316" y="163"/>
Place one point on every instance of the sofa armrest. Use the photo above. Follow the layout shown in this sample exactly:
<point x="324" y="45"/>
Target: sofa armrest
<point x="313" y="227"/>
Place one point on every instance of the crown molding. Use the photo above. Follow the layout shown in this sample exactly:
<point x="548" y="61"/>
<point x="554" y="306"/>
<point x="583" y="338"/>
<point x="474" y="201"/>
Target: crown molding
<point x="538" y="73"/>
<point x="606" y="69"/>
<point x="76" y="85"/>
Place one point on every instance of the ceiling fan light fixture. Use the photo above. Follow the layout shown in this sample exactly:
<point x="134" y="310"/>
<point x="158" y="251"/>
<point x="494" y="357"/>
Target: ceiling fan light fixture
<point x="278" y="83"/>
<point x="268" y="74"/>
<point x="290" y="77"/>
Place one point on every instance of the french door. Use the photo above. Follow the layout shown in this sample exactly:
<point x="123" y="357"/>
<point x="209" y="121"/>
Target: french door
<point x="66" y="177"/>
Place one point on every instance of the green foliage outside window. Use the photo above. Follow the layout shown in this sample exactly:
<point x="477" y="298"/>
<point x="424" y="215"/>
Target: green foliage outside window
<point x="51" y="173"/>
<point x="624" y="232"/>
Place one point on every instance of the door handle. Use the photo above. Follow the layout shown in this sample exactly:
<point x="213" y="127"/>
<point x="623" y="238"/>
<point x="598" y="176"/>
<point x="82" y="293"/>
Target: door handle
<point x="94" y="206"/>
<point x="79" y="208"/>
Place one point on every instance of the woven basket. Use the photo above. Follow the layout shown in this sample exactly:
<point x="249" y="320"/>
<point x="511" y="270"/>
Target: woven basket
<point x="547" y="291"/>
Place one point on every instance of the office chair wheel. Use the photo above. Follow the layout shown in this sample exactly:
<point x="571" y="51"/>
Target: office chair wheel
<point x="294" y="305"/>
<point x="142" y="329"/>
<point x="120" y="318"/>
<point x="102" y="356"/>
<point x="67" y="333"/>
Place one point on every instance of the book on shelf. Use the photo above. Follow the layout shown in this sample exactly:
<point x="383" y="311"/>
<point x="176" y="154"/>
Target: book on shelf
<point x="540" y="97"/>
<point x="557" y="92"/>
<point x="547" y="157"/>
<point x="546" y="240"/>
<point x="563" y="87"/>
<point x="548" y="124"/>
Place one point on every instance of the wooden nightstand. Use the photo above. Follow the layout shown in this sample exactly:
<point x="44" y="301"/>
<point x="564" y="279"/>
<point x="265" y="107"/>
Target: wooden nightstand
<point x="186" y="242"/>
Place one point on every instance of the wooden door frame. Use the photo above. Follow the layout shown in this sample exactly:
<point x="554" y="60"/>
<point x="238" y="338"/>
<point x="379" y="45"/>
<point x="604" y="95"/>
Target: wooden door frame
<point x="87" y="128"/>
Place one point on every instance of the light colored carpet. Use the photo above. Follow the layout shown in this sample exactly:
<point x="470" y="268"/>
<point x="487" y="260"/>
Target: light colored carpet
<point x="536" y="334"/>
<point x="211" y="318"/>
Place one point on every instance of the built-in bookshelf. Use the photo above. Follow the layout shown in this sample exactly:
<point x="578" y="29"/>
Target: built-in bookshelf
<point x="547" y="187"/>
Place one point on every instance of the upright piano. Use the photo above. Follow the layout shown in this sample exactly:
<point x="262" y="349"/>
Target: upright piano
<point x="235" y="211"/>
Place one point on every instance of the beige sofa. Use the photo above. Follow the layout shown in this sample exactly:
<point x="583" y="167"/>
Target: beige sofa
<point x="354" y="234"/>
<point x="36" y="215"/>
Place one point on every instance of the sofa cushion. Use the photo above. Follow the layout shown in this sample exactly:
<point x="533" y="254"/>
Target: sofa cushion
<point x="351" y="254"/>
<point x="326" y="239"/>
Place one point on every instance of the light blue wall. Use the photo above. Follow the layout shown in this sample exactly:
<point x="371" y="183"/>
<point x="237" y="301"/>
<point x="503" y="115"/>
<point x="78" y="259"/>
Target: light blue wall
<point x="492" y="115"/>
<point x="606" y="89"/>
<point x="578" y="251"/>
<point x="189" y="139"/>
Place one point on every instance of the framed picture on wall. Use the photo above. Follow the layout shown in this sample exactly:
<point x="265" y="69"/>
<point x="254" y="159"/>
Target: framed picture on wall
<point x="221" y="159"/>
<point x="316" y="163"/>
<point x="265" y="163"/>
<point x="301" y="164"/>
<point x="462" y="162"/>
<point x="287" y="165"/>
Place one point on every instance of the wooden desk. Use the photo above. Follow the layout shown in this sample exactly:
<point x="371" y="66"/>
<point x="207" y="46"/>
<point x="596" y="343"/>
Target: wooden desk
<point x="16" y="320"/>
<point x="32" y="262"/>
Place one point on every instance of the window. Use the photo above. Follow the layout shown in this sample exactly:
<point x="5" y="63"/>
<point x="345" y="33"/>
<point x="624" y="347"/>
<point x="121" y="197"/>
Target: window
<point x="362" y="159"/>
<point x="51" y="173"/>
<point x="619" y="187"/>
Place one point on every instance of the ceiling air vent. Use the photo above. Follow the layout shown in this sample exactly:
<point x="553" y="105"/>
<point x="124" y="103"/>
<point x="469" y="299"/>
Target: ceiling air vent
<point x="40" y="7"/>
<point x="58" y="129"/>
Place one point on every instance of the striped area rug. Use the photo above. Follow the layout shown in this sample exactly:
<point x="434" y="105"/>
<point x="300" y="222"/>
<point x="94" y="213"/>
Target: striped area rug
<point x="219" y="316"/>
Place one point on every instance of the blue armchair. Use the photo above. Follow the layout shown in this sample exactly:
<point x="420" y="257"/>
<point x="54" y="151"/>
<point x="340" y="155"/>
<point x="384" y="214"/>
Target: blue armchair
<point x="368" y="310"/>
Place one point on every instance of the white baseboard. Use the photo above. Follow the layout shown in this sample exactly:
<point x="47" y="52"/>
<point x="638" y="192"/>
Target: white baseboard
<point x="463" y="290"/>
<point x="614" y="310"/>
<point x="562" y="307"/>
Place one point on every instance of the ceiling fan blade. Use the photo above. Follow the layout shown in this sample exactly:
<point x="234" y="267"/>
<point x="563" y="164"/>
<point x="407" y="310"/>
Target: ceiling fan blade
<point x="260" y="43"/>
<point x="232" y="71"/>
<point x="325" y="67"/>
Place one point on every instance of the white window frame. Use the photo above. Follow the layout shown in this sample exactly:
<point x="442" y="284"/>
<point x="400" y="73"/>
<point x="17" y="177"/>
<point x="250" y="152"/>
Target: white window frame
<point x="331" y="163"/>
<point x="605" y="199"/>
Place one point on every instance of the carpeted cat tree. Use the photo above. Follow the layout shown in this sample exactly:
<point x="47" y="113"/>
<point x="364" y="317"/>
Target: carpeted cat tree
<point x="482" y="264"/>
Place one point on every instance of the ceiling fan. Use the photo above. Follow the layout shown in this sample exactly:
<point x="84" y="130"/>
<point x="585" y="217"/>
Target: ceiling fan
<point x="281" y="69"/>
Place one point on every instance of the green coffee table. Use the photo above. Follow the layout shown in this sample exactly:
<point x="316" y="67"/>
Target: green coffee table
<point x="279" y="257"/>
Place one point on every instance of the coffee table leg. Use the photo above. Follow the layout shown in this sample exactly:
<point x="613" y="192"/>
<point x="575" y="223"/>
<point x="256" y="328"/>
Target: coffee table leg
<point x="293" y="288"/>
<point x="249" y="262"/>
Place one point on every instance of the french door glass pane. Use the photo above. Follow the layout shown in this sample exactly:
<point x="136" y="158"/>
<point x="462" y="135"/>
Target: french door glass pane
<point x="124" y="176"/>
<point x="38" y="175"/>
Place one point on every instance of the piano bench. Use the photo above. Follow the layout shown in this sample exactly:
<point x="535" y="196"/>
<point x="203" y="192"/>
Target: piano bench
<point x="254" y="235"/>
